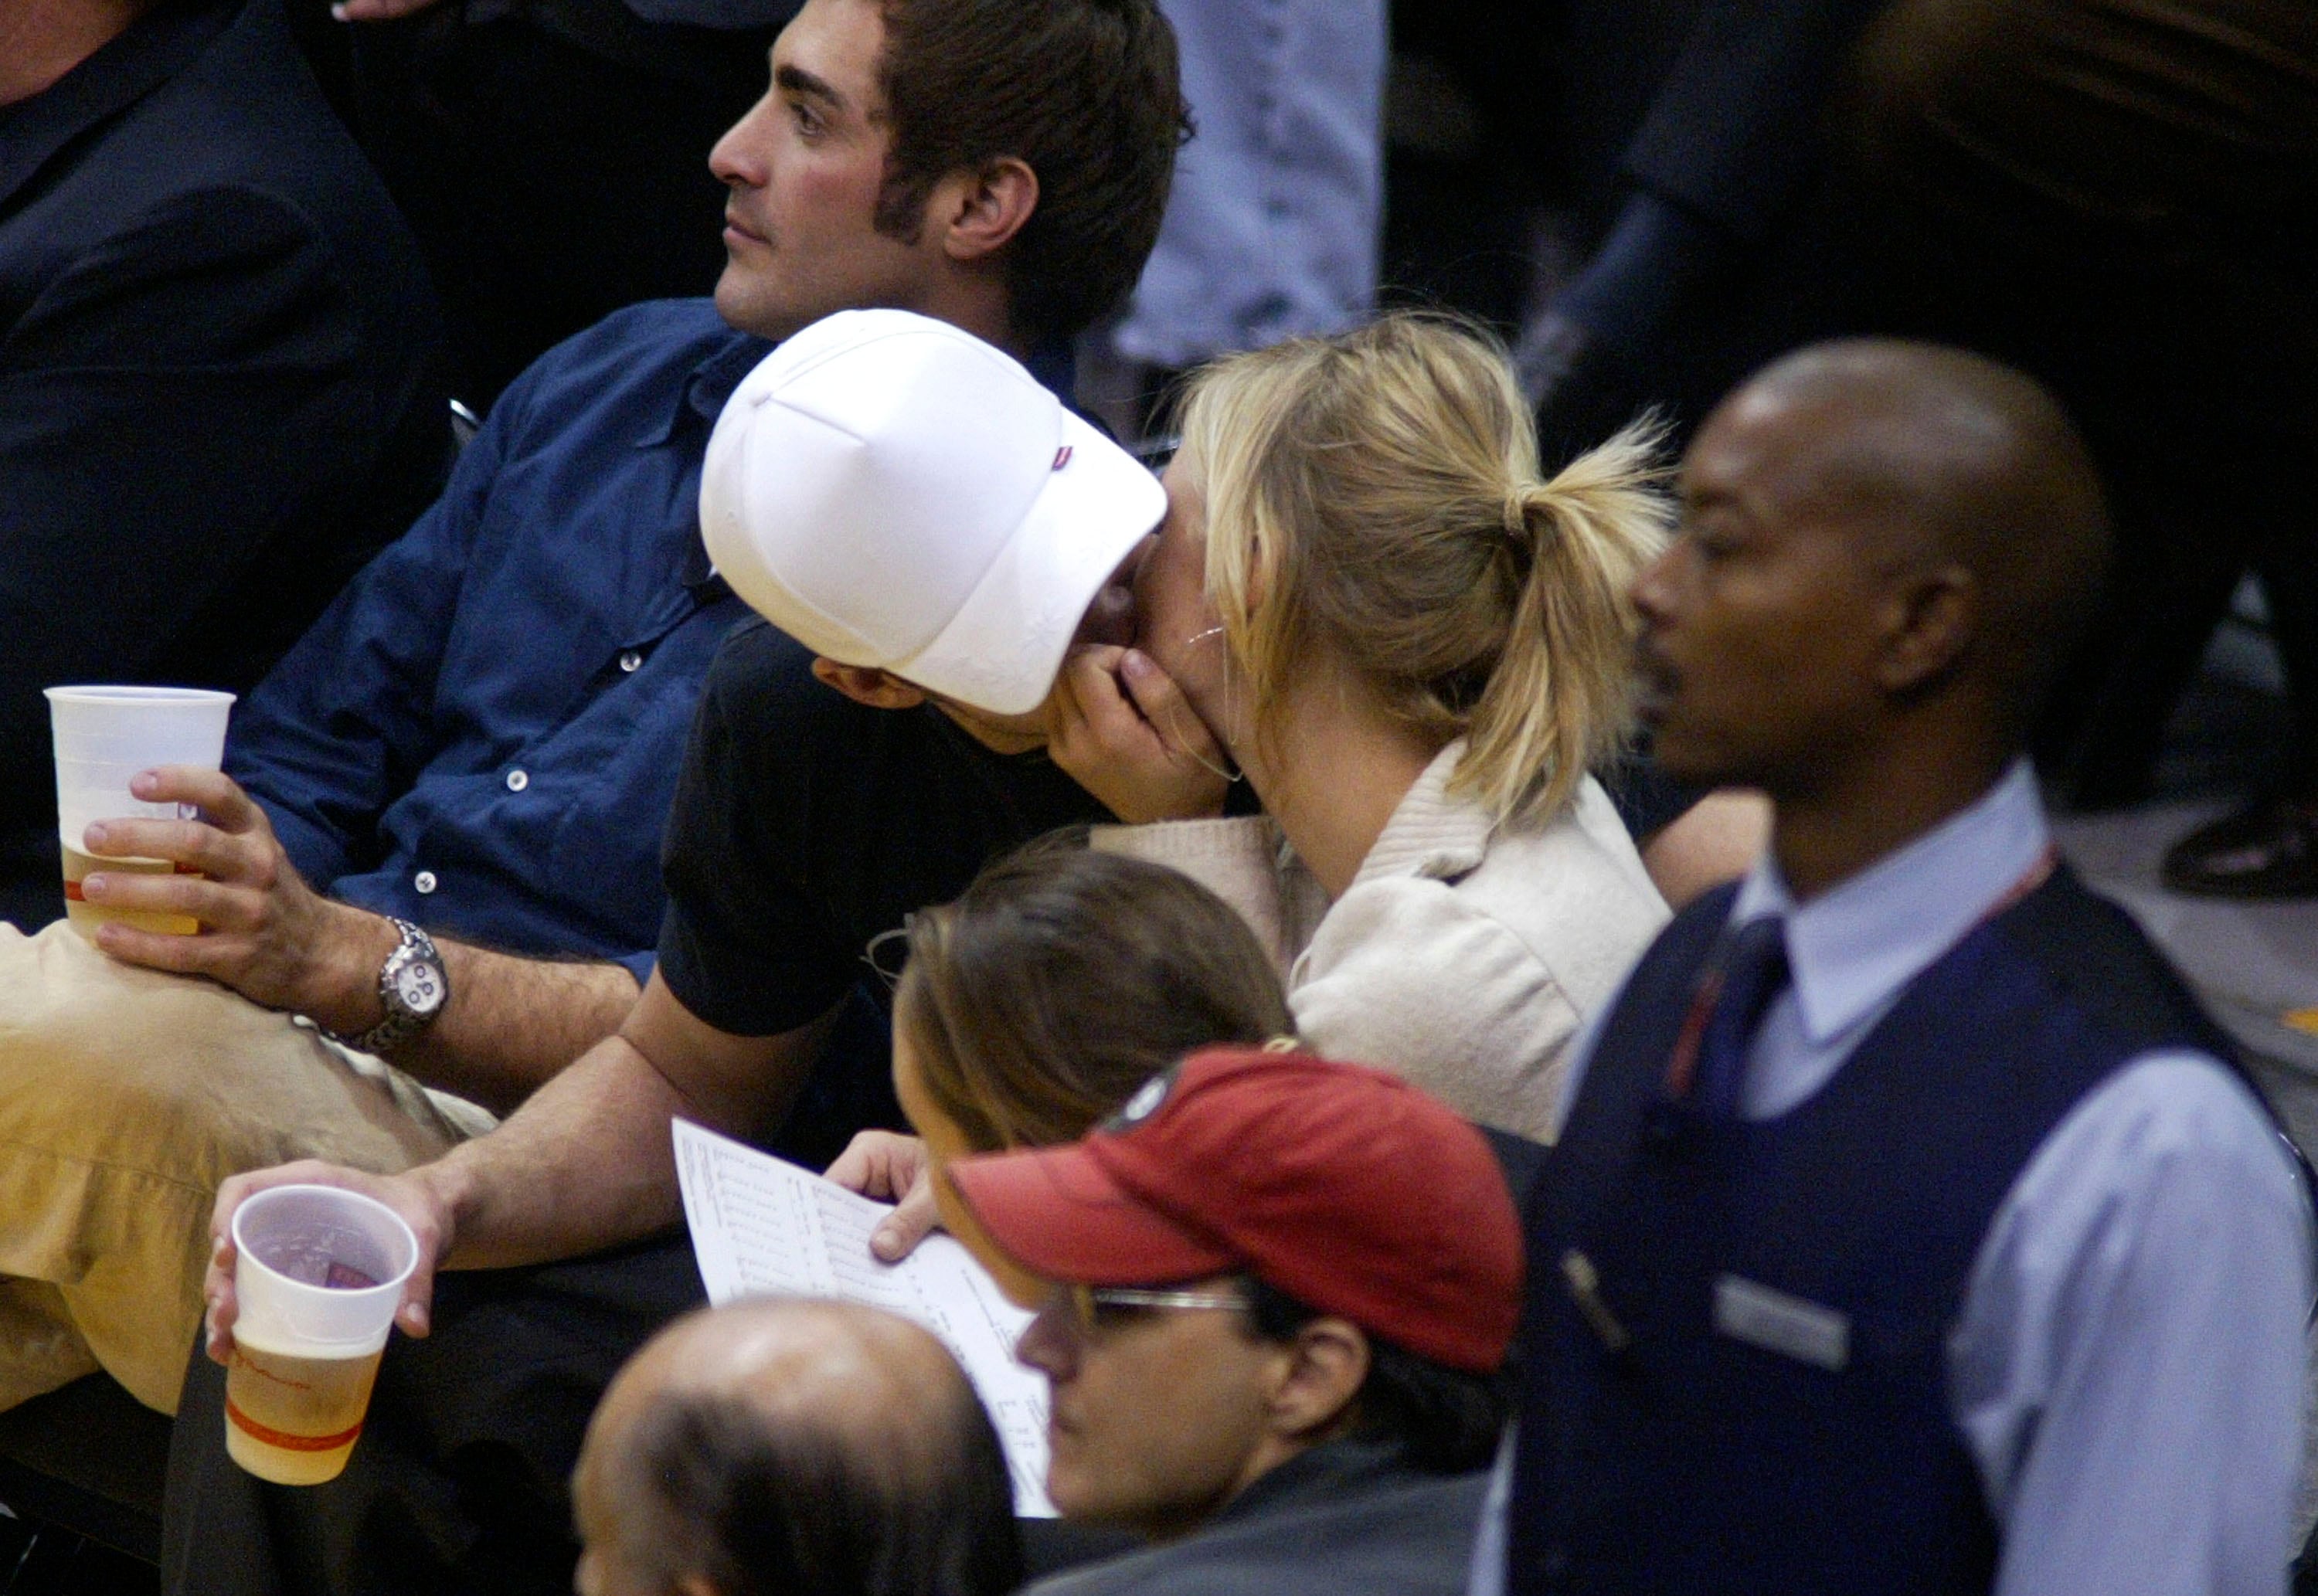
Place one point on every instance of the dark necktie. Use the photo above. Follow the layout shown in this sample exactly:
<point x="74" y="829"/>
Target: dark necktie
<point x="1754" y="972"/>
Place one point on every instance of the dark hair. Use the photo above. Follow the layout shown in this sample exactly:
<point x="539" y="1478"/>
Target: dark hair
<point x="790" y="1510"/>
<point x="1084" y="91"/>
<point x="1446" y="1419"/>
<point x="1064" y="979"/>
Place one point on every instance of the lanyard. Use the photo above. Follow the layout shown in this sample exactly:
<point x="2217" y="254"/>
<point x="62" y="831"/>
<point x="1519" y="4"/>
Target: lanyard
<point x="1681" y="1062"/>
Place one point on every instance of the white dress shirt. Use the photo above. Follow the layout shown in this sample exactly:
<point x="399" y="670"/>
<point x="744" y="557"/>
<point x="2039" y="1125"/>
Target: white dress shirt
<point x="2127" y="1366"/>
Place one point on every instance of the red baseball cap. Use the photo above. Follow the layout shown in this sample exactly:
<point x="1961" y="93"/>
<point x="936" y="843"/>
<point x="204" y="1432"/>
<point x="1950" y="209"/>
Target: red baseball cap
<point x="1345" y="1186"/>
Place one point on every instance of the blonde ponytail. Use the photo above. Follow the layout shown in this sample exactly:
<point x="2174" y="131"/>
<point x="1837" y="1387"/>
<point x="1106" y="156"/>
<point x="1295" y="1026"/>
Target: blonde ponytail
<point x="1560" y="695"/>
<point x="1377" y="493"/>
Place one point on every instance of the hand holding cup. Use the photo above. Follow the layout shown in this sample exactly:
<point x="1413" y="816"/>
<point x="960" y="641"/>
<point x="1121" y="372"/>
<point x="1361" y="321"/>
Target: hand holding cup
<point x="319" y="1272"/>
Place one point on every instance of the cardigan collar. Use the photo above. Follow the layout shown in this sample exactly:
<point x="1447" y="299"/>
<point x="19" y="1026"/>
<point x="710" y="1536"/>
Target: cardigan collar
<point x="1432" y="834"/>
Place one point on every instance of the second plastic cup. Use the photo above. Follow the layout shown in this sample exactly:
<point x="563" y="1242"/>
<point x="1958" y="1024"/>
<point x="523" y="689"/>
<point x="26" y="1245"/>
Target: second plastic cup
<point x="318" y="1274"/>
<point x="103" y="737"/>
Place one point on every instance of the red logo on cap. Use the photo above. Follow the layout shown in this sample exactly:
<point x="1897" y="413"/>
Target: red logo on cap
<point x="1061" y="457"/>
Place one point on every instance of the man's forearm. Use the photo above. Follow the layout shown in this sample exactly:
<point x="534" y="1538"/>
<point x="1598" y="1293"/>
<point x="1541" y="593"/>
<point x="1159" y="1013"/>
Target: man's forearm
<point x="513" y="1023"/>
<point x="586" y="1163"/>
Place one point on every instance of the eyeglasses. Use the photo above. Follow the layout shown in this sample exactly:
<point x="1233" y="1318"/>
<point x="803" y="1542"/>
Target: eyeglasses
<point x="1097" y="1308"/>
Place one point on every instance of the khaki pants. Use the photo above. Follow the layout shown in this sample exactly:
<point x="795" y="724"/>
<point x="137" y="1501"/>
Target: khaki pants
<point x="126" y="1097"/>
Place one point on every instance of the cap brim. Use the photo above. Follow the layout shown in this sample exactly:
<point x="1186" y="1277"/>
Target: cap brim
<point x="1058" y="1214"/>
<point x="1002" y="650"/>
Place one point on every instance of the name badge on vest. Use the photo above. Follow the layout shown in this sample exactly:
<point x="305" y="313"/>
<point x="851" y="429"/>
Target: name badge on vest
<point x="1778" y="1322"/>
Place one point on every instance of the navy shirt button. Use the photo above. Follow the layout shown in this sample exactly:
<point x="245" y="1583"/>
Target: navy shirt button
<point x="518" y="781"/>
<point x="629" y="662"/>
<point x="424" y="880"/>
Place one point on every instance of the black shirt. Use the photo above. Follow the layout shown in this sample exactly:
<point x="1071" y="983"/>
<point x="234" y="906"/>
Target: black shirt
<point x="806" y="824"/>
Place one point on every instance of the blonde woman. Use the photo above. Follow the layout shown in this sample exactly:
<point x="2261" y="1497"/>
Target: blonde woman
<point x="1415" y="647"/>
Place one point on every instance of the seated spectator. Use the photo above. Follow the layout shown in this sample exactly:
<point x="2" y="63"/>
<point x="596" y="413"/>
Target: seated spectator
<point x="1415" y="649"/>
<point x="1283" y="1294"/>
<point x="1911" y="1228"/>
<point x="218" y="383"/>
<point x="1041" y="1001"/>
<point x="782" y="1448"/>
<point x="804" y="823"/>
<point x="483" y="735"/>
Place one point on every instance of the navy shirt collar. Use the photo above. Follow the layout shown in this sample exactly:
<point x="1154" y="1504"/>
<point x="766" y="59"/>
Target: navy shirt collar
<point x="699" y="401"/>
<point x="700" y="398"/>
<point x="1054" y="363"/>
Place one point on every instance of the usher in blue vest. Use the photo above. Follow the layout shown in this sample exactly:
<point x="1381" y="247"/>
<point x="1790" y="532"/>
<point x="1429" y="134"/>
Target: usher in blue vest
<point x="1734" y="1349"/>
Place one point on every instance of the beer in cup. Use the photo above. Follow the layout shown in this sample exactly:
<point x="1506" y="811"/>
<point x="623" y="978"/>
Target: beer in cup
<point x="318" y="1272"/>
<point x="103" y="737"/>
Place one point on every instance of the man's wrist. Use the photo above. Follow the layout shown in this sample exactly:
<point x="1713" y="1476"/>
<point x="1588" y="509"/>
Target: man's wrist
<point x="353" y="948"/>
<point x="453" y="1192"/>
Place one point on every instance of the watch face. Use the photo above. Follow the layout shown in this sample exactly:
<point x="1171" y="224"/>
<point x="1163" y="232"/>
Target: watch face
<point x="420" y="987"/>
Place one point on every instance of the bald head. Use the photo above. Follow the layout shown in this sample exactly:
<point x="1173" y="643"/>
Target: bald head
<point x="1888" y="552"/>
<point x="778" y="1443"/>
<point x="860" y="1376"/>
<point x="1928" y="456"/>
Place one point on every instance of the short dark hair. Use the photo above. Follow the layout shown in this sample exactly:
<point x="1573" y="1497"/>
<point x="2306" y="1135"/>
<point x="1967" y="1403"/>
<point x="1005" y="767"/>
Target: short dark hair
<point x="1085" y="91"/>
<point x="1446" y="1419"/>
<point x="760" y="1509"/>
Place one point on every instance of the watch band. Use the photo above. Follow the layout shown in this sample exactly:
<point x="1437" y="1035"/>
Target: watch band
<point x="403" y="1022"/>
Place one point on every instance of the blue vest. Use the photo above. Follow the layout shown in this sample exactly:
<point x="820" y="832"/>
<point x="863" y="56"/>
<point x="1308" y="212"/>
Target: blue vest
<point x="1776" y="1417"/>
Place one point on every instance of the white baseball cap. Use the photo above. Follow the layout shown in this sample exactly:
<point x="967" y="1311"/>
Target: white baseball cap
<point x="892" y="491"/>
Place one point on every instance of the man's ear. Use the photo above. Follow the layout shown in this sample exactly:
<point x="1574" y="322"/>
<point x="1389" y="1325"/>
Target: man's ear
<point x="1933" y="616"/>
<point x="865" y="684"/>
<point x="1327" y="1364"/>
<point x="980" y="212"/>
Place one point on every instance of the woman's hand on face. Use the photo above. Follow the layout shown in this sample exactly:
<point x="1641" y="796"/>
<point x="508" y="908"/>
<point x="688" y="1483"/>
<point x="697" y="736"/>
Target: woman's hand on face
<point x="893" y="1168"/>
<point x="1124" y="731"/>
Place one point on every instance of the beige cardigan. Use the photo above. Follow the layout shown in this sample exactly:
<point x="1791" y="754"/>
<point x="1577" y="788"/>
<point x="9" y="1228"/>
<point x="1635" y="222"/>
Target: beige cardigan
<point x="1464" y="956"/>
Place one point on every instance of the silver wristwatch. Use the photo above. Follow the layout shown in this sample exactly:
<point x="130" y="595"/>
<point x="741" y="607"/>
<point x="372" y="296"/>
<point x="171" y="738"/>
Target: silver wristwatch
<point x="412" y="987"/>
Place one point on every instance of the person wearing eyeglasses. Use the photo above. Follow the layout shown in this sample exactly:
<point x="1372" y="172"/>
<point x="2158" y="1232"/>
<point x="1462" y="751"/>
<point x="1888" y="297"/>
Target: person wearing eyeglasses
<point x="1280" y="1292"/>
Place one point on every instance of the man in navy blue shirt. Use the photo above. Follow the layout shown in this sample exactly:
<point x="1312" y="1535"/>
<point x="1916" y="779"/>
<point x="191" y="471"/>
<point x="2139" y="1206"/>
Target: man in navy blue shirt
<point x="484" y="733"/>
<point x="883" y="162"/>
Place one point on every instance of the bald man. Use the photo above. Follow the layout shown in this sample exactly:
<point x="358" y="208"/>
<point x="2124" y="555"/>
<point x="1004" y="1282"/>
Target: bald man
<point x="1909" y="1229"/>
<point x="809" y="1449"/>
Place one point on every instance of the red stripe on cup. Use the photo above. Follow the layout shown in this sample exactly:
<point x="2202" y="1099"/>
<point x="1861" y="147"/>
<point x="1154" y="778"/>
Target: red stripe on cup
<point x="289" y="1443"/>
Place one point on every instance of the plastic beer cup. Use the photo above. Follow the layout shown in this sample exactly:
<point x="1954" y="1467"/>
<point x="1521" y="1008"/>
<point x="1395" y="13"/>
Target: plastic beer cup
<point x="318" y="1272"/>
<point x="103" y="737"/>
